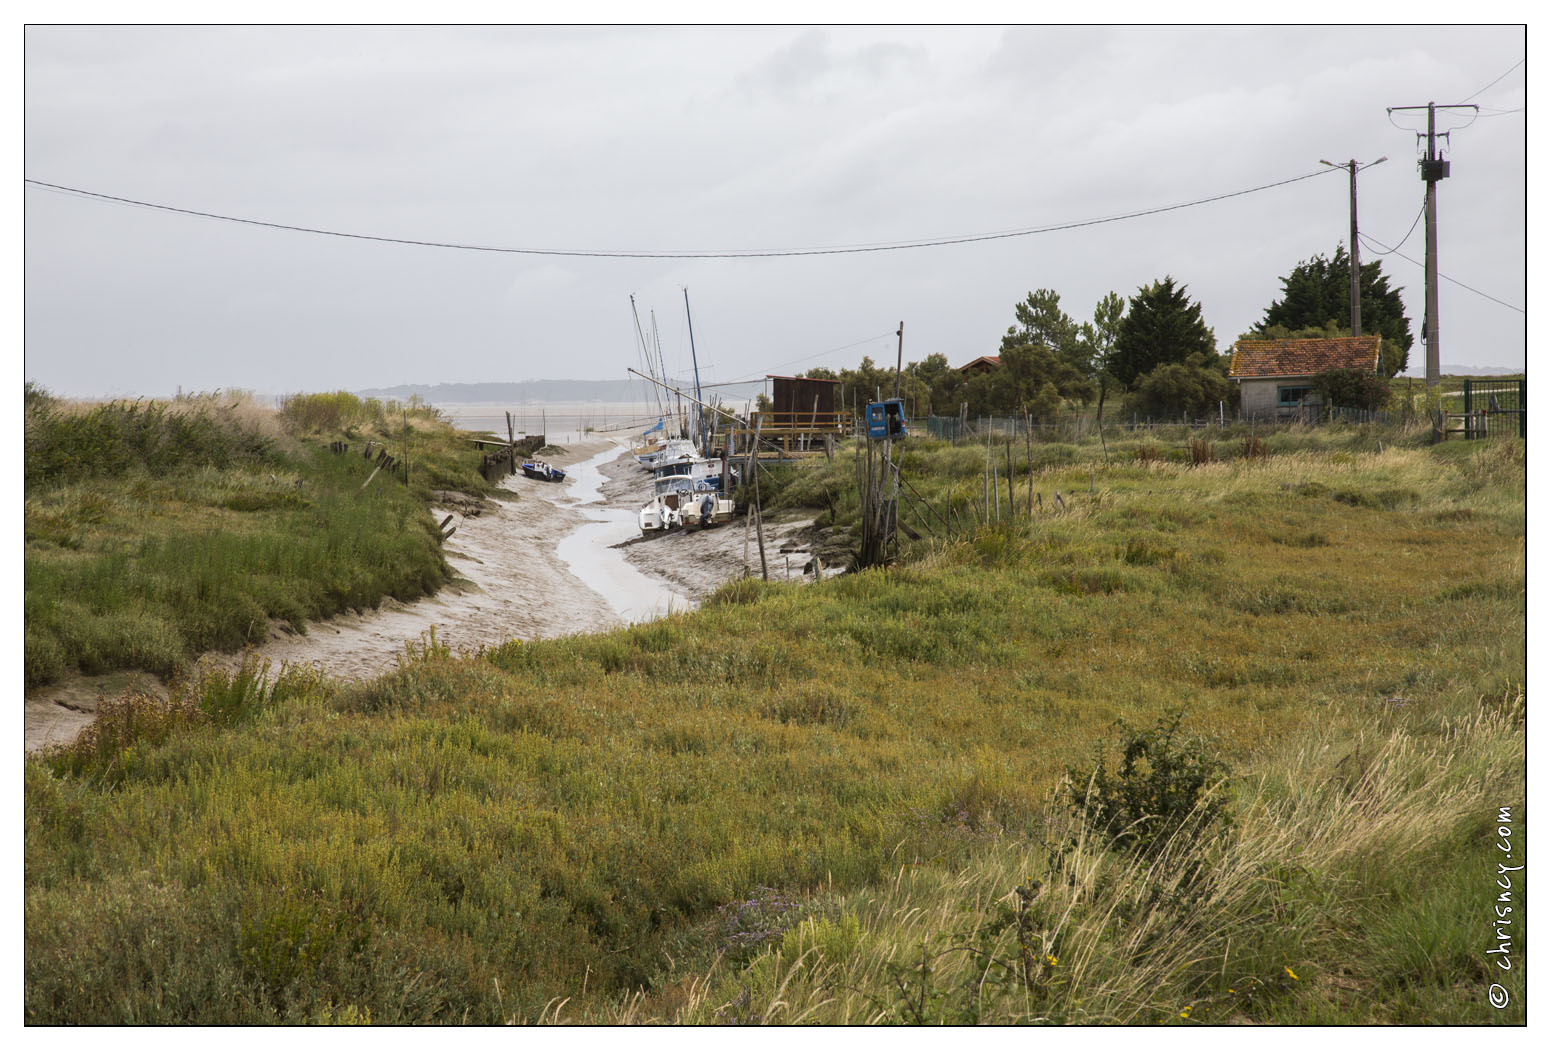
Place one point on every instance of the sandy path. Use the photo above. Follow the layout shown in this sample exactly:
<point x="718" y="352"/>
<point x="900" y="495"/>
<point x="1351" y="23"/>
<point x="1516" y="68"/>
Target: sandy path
<point x="563" y="559"/>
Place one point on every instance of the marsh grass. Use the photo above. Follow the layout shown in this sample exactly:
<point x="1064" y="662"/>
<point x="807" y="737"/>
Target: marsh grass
<point x="1252" y="924"/>
<point x="555" y="830"/>
<point x="158" y="531"/>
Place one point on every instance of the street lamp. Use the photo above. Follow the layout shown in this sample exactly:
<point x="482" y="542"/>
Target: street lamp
<point x="1352" y="169"/>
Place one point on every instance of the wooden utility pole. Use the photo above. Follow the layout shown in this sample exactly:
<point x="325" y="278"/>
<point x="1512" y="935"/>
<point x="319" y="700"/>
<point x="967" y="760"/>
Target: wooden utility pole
<point x="1432" y="168"/>
<point x="1356" y="261"/>
<point x="899" y="360"/>
<point x="1352" y="169"/>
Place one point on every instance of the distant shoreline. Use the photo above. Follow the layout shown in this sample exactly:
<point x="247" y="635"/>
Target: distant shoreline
<point x="539" y="392"/>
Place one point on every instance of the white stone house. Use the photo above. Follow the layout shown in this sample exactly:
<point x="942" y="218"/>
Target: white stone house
<point x="1276" y="376"/>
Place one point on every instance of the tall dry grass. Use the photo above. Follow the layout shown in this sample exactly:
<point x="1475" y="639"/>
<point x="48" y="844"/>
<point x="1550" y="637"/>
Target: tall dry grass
<point x="1257" y="923"/>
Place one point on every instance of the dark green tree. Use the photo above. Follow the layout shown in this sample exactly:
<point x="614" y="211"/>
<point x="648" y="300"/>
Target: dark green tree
<point x="1044" y="348"/>
<point x="1041" y="321"/>
<point x="940" y="384"/>
<point x="1161" y="326"/>
<point x="1098" y="338"/>
<point x="1318" y="294"/>
<point x="1027" y="368"/>
<point x="1193" y="386"/>
<point x="862" y="384"/>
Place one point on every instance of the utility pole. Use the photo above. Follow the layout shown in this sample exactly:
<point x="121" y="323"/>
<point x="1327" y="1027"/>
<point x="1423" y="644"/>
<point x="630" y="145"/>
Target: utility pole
<point x="899" y="361"/>
<point x="1356" y="258"/>
<point x="1432" y="168"/>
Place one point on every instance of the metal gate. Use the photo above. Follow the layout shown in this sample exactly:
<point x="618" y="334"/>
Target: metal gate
<point x="1493" y="408"/>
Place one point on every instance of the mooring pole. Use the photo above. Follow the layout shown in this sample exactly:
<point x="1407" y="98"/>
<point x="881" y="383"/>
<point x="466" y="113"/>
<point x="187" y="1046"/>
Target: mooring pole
<point x="759" y="525"/>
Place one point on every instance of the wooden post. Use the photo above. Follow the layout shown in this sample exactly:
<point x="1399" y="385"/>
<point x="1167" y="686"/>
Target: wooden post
<point x="870" y="506"/>
<point x="1028" y="441"/>
<point x="985" y="485"/>
<point x="759" y="526"/>
<point x="1010" y="477"/>
<point x="759" y="518"/>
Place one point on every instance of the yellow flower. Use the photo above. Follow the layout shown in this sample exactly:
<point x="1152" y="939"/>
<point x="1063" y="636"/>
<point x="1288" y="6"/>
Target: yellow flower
<point x="1185" y="1013"/>
<point x="1290" y="974"/>
<point x="1230" y="990"/>
<point x="1050" y="960"/>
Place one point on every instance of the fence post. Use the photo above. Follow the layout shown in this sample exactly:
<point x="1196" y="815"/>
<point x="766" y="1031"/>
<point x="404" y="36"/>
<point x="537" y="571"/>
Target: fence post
<point x="1523" y="409"/>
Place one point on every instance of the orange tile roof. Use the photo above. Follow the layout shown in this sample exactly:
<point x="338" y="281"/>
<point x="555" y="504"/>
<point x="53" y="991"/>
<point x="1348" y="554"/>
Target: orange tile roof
<point x="991" y="360"/>
<point x="1276" y="358"/>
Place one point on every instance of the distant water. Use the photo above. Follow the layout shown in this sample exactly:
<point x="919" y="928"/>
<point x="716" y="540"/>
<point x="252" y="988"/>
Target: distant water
<point x="561" y="422"/>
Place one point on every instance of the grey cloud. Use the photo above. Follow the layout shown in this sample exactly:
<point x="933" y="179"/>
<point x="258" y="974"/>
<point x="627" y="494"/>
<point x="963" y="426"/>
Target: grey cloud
<point x="708" y="138"/>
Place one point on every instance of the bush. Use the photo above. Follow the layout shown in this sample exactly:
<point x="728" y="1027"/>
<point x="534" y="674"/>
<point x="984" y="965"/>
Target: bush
<point x="1352" y="389"/>
<point x="1193" y="386"/>
<point x="1163" y="783"/>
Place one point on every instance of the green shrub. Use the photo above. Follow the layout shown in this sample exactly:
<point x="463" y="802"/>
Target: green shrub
<point x="1163" y="783"/>
<point x="1352" y="389"/>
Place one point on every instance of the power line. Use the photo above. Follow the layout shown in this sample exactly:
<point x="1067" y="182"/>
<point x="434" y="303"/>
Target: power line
<point x="1420" y="212"/>
<point x="733" y="254"/>
<point x="1504" y="73"/>
<point x="823" y="353"/>
<point x="1367" y="240"/>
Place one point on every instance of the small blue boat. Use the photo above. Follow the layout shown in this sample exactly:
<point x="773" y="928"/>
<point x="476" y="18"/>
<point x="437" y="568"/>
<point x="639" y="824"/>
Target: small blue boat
<point x="543" y="471"/>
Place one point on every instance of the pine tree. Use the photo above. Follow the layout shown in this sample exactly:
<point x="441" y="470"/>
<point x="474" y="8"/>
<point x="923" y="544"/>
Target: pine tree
<point x="1161" y="327"/>
<point x="1318" y="294"/>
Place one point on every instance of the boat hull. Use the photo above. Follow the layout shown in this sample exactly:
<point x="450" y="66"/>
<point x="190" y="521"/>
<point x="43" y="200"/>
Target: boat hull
<point x="543" y="472"/>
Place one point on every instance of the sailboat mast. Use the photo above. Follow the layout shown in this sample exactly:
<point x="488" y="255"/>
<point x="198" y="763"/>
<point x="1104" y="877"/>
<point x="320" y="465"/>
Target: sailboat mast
<point x="645" y="353"/>
<point x="699" y="414"/>
<point x="662" y="368"/>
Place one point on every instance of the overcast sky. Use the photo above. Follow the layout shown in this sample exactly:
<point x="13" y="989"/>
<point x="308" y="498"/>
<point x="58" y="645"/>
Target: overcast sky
<point x="662" y="140"/>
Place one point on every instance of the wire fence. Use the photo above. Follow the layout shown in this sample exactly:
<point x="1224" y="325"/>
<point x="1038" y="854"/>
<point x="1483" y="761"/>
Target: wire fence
<point x="1482" y="413"/>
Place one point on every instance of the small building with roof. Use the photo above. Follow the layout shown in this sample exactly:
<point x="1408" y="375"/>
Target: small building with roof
<point x="982" y="364"/>
<point x="1276" y="376"/>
